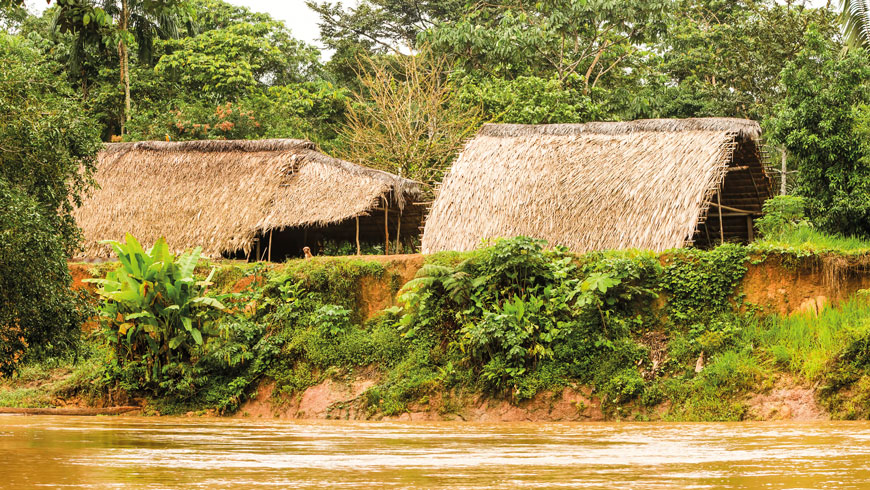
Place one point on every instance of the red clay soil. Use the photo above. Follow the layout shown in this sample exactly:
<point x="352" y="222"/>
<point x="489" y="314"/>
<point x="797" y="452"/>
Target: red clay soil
<point x="79" y="273"/>
<point x="341" y="400"/>
<point x="806" y="286"/>
<point x="376" y="294"/>
<point x="788" y="400"/>
<point x="87" y="411"/>
<point x="247" y="283"/>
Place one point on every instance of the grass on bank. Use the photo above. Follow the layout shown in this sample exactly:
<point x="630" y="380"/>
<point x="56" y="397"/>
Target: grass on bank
<point x="807" y="240"/>
<point x="806" y="343"/>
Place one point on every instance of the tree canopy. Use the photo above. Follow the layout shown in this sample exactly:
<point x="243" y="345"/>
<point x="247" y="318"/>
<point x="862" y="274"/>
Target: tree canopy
<point x="47" y="149"/>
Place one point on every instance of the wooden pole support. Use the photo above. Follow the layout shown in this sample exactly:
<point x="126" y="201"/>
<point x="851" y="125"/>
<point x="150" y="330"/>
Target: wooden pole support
<point x="721" y="222"/>
<point x="750" y="231"/>
<point x="386" y="227"/>
<point x="399" y="234"/>
<point x="358" y="249"/>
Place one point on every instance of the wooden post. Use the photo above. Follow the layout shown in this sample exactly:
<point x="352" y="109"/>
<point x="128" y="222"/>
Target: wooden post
<point x="783" y="173"/>
<point x="399" y="234"/>
<point x="719" y="210"/>
<point x="386" y="227"/>
<point x="358" y="249"/>
<point x="258" y="249"/>
<point x="750" y="231"/>
<point x="270" y="245"/>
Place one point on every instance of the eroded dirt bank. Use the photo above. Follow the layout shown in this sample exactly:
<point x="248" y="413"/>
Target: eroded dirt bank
<point x="341" y="400"/>
<point x="782" y="284"/>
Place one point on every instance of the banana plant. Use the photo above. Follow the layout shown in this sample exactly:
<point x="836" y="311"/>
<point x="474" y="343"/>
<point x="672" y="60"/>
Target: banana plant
<point x="153" y="309"/>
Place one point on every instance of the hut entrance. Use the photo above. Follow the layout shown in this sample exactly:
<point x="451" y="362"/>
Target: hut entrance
<point x="736" y="205"/>
<point x="384" y="231"/>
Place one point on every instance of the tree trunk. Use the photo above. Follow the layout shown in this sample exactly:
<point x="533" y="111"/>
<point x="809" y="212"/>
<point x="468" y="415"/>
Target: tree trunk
<point x="783" y="173"/>
<point x="125" y="65"/>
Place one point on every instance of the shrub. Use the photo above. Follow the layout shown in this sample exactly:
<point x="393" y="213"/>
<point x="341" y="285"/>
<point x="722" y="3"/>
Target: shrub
<point x="153" y="310"/>
<point x="782" y="213"/>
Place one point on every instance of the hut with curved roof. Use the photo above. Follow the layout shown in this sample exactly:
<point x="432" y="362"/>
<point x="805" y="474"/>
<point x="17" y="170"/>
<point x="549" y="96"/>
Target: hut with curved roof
<point x="244" y="199"/>
<point x="650" y="184"/>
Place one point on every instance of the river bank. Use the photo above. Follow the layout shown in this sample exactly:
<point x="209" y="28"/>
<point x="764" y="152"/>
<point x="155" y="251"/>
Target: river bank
<point x="737" y="333"/>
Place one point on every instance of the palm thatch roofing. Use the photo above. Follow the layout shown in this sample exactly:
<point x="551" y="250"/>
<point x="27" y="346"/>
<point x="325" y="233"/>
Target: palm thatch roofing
<point x="643" y="184"/>
<point x="220" y="195"/>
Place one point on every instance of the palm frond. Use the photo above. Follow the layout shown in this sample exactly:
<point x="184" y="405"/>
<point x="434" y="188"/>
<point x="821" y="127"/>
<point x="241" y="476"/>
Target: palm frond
<point x="856" y="22"/>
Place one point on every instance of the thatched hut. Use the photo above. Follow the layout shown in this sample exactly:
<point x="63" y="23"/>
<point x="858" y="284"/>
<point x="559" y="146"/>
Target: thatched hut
<point x="653" y="184"/>
<point x="244" y="199"/>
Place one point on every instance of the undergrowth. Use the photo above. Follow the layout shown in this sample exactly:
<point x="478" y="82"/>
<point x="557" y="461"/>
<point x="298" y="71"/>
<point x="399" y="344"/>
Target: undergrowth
<point x="510" y="321"/>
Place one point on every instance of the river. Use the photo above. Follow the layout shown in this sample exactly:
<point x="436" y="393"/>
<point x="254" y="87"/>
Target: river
<point x="109" y="452"/>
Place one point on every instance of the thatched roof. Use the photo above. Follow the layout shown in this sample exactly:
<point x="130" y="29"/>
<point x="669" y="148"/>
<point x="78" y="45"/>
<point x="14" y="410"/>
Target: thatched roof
<point x="641" y="184"/>
<point x="220" y="194"/>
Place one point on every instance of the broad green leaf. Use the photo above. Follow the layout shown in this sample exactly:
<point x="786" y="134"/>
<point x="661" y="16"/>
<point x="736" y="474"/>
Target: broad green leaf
<point x="205" y="300"/>
<point x="197" y="336"/>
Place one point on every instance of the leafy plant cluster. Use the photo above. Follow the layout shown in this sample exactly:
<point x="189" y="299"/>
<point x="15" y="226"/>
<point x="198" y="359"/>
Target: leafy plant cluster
<point x="522" y="318"/>
<point x="154" y="312"/>
<point x="510" y="320"/>
<point x="782" y="214"/>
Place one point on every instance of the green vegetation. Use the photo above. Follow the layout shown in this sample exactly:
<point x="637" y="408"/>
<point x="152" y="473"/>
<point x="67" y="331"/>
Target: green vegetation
<point x="153" y="310"/>
<point x="785" y="227"/>
<point x="822" y="123"/>
<point x="510" y="321"/>
<point x="47" y="150"/>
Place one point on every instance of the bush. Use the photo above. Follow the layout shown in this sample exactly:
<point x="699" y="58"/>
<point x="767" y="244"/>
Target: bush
<point x="154" y="312"/>
<point x="523" y="318"/>
<point x="48" y="151"/>
<point x="782" y="214"/>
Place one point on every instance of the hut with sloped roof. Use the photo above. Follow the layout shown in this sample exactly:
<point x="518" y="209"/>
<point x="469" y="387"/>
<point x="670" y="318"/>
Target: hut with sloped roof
<point x="650" y="184"/>
<point x="262" y="200"/>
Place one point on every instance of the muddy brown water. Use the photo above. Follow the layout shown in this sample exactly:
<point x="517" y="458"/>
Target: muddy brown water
<point x="117" y="452"/>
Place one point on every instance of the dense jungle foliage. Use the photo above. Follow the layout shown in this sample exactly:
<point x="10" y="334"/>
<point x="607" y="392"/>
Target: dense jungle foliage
<point x="405" y="83"/>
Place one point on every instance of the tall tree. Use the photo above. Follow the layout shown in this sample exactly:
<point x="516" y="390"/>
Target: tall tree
<point x="47" y="150"/>
<point x="407" y="118"/>
<point x="587" y="38"/>
<point x="724" y="58"/>
<point x="374" y="27"/>
<point x="122" y="24"/>
<point x="824" y="122"/>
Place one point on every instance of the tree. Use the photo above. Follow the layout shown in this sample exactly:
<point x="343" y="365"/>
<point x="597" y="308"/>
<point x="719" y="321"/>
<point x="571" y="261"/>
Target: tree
<point x="296" y="61"/>
<point x="529" y="100"/>
<point x="383" y="26"/>
<point x="229" y="63"/>
<point x="122" y="23"/>
<point x="724" y="58"/>
<point x="823" y="123"/>
<point x="307" y="110"/>
<point x="376" y="27"/>
<point x="47" y="152"/>
<point x="591" y="39"/>
<point x="856" y="22"/>
<point x="407" y="119"/>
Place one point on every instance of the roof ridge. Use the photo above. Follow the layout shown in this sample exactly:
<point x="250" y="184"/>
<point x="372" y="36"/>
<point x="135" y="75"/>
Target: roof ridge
<point x="284" y="144"/>
<point x="741" y="127"/>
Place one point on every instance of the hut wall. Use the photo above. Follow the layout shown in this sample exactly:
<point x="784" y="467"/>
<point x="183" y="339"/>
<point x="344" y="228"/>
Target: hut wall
<point x="745" y="187"/>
